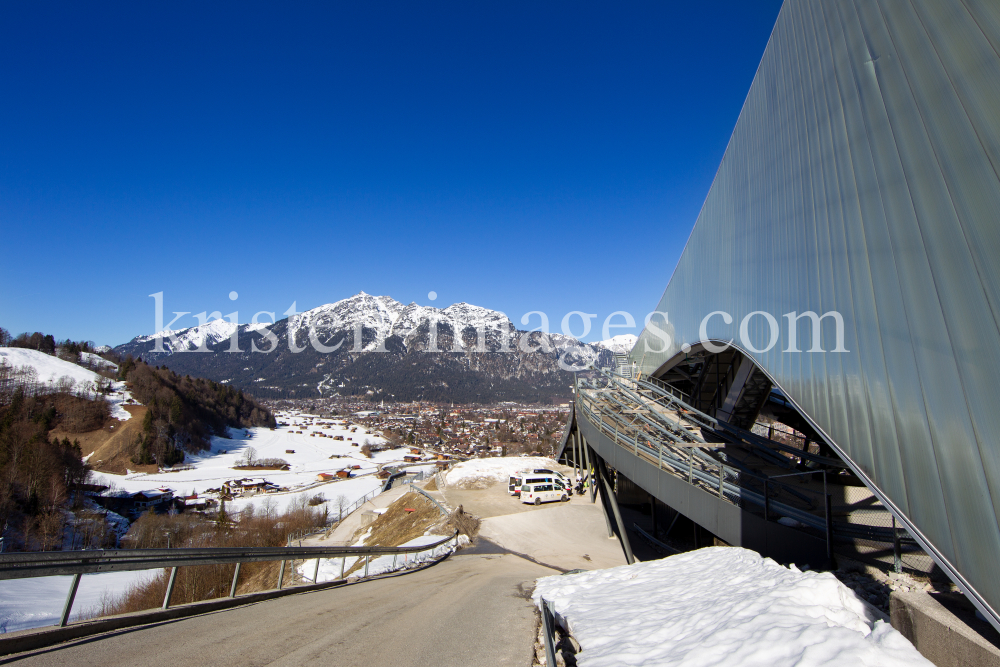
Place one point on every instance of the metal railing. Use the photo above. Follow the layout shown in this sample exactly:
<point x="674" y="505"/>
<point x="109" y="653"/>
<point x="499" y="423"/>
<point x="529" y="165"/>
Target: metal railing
<point x="77" y="563"/>
<point x="359" y="502"/>
<point x="673" y="445"/>
<point x="667" y="439"/>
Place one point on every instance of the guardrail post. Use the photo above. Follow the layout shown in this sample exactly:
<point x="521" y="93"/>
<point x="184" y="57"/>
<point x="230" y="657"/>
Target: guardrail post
<point x="69" y="601"/>
<point x="548" y="621"/>
<point x="236" y="578"/>
<point x="281" y="574"/>
<point x="316" y="573"/>
<point x="897" y="552"/>
<point x="170" y="587"/>
<point x="342" y="562"/>
<point x="368" y="558"/>
<point x="394" y="556"/>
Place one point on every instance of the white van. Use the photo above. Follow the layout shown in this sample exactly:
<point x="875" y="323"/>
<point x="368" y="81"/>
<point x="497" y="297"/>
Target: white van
<point x="536" y="494"/>
<point x="522" y="477"/>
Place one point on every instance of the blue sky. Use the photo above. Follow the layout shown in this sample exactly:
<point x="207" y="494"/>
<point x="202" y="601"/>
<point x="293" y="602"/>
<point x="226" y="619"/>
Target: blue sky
<point x="518" y="155"/>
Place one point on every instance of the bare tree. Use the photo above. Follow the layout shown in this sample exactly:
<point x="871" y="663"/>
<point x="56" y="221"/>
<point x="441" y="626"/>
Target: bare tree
<point x="341" y="503"/>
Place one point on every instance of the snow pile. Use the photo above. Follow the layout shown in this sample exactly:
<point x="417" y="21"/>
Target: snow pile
<point x="484" y="473"/>
<point x="720" y="606"/>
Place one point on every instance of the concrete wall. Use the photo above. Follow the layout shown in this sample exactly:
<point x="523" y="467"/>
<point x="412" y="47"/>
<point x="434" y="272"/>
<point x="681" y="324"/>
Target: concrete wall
<point x="944" y="628"/>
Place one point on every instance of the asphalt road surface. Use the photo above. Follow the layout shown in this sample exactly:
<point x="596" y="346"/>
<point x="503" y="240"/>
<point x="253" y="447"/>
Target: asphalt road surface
<point x="468" y="610"/>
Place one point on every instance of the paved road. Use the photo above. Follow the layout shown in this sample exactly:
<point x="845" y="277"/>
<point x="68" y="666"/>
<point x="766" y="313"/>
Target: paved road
<point x="571" y="535"/>
<point x="468" y="610"/>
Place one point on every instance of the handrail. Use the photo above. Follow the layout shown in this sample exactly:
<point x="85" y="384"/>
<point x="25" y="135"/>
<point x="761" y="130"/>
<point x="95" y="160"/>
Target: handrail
<point x="51" y="563"/>
<point x="77" y="563"/>
<point x="725" y="489"/>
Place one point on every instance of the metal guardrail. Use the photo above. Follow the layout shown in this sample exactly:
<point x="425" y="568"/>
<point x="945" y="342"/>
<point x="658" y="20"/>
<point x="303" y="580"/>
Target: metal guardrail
<point x="359" y="502"/>
<point x="628" y="426"/>
<point x="549" y="631"/>
<point x="657" y="544"/>
<point x="77" y="563"/>
<point x="440" y="507"/>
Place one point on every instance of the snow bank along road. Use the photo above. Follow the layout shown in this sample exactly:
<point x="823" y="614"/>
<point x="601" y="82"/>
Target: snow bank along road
<point x="467" y="610"/>
<point x="721" y="606"/>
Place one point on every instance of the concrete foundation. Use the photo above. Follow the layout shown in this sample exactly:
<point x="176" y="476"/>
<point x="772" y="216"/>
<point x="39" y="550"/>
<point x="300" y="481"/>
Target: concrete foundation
<point x="945" y="629"/>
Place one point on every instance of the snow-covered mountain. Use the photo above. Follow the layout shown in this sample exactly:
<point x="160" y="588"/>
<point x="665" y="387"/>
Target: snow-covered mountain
<point x="621" y="344"/>
<point x="371" y="343"/>
<point x="382" y="315"/>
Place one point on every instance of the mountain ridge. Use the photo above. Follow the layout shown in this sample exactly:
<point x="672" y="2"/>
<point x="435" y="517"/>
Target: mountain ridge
<point x="375" y="346"/>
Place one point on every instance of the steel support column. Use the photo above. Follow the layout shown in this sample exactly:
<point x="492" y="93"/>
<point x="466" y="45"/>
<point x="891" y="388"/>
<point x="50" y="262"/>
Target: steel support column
<point x="613" y="502"/>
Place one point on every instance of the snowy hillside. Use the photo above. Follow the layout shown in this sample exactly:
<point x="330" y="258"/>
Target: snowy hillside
<point x="52" y="370"/>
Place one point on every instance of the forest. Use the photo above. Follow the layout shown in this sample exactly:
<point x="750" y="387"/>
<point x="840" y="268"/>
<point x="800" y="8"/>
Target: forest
<point x="39" y="473"/>
<point x="184" y="412"/>
<point x="42" y="477"/>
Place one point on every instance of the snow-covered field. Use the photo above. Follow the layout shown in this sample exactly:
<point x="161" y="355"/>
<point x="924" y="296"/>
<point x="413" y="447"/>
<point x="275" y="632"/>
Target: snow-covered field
<point x="720" y="606"/>
<point x="484" y="473"/>
<point x="311" y="455"/>
<point x="51" y="370"/>
<point x="35" y="603"/>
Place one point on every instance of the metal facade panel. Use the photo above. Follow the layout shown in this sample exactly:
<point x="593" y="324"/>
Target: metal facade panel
<point x="862" y="178"/>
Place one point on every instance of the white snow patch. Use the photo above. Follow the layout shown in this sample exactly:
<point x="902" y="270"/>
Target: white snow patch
<point x="483" y="473"/>
<point x="35" y="603"/>
<point x="720" y="606"/>
<point x="92" y="359"/>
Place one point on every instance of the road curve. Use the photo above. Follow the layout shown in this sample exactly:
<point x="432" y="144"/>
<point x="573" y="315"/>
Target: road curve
<point x="467" y="610"/>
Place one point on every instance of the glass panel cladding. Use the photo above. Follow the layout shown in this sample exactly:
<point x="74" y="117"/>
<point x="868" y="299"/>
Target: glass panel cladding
<point x="862" y="178"/>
